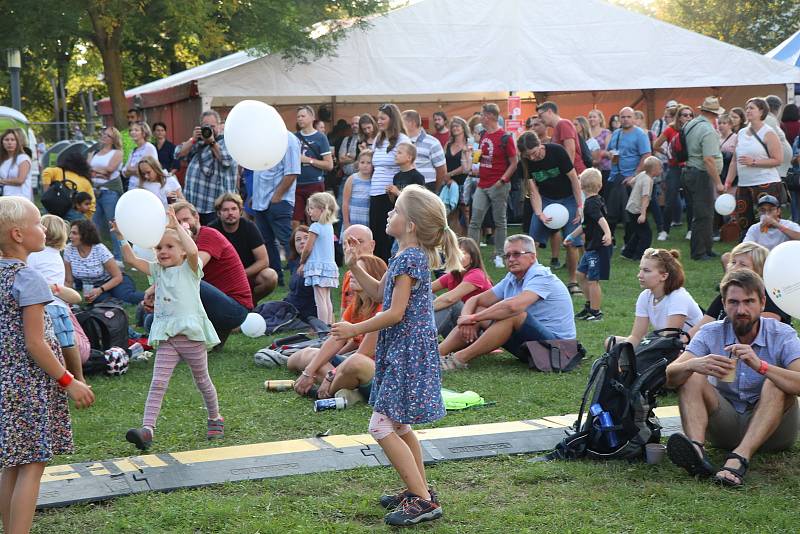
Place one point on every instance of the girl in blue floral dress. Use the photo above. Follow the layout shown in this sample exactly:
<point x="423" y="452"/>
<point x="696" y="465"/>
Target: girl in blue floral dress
<point x="407" y="385"/>
<point x="317" y="260"/>
<point x="34" y="383"/>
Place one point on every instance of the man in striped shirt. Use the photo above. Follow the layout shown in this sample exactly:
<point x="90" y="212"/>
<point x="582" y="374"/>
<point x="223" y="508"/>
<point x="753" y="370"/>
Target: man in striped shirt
<point x="430" y="160"/>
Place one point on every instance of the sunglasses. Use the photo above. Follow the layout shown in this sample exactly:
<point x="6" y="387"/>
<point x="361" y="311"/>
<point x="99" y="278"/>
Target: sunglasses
<point x="514" y="255"/>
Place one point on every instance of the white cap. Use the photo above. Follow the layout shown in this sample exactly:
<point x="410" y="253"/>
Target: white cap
<point x="671" y="104"/>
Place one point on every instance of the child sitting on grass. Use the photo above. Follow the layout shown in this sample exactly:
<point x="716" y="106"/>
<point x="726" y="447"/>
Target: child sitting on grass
<point x="595" y="264"/>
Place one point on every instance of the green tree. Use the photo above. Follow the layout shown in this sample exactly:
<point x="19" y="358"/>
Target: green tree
<point x="758" y="25"/>
<point x="142" y="40"/>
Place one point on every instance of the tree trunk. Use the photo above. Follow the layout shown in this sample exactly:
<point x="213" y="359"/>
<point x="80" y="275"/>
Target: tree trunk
<point x="108" y="38"/>
<point x="112" y="69"/>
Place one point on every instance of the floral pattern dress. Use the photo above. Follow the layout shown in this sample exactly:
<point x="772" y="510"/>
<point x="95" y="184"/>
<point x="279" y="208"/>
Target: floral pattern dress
<point x="407" y="386"/>
<point x="34" y="413"/>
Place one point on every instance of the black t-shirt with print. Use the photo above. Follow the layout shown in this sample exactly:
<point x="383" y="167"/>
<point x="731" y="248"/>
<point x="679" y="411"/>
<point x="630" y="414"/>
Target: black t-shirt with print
<point x="551" y="172"/>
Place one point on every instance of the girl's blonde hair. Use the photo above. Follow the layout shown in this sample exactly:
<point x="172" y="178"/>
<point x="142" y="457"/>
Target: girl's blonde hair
<point x="156" y="166"/>
<point x="56" y="230"/>
<point x="327" y="202"/>
<point x="600" y="115"/>
<point x="427" y="212"/>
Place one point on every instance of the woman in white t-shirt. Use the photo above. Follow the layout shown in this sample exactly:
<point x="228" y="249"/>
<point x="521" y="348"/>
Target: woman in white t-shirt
<point x="755" y="160"/>
<point x="140" y="133"/>
<point x="15" y="165"/>
<point x="663" y="303"/>
<point x="153" y="178"/>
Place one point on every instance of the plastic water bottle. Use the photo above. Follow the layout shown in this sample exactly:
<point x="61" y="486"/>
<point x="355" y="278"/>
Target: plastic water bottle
<point x="606" y="424"/>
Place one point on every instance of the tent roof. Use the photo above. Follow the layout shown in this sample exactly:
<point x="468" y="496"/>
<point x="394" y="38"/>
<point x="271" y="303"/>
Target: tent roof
<point x="438" y="47"/>
<point x="788" y="51"/>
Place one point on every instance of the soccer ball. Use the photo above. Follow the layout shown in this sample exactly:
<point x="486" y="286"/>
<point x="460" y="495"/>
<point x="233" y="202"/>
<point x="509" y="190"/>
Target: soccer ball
<point x="116" y="361"/>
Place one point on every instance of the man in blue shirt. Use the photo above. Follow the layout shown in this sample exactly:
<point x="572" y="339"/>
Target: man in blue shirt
<point x="629" y="146"/>
<point x="529" y="304"/>
<point x="737" y="382"/>
<point x="316" y="159"/>
<point x="273" y="202"/>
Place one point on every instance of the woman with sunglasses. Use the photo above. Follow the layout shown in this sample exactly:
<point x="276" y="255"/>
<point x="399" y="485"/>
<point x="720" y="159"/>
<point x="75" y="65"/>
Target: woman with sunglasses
<point x="670" y="136"/>
<point x="391" y="133"/>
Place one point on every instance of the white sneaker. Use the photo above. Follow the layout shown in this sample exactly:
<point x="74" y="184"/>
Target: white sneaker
<point x="351" y="396"/>
<point x="662" y="236"/>
<point x="689" y="235"/>
<point x="498" y="262"/>
<point x="483" y="244"/>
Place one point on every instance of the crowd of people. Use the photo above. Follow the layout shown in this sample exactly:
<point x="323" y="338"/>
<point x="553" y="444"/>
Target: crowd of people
<point x="387" y="202"/>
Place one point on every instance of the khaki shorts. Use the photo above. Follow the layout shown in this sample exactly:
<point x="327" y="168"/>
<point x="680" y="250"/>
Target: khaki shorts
<point x="726" y="427"/>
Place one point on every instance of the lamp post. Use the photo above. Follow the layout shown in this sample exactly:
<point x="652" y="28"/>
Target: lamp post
<point x="14" y="65"/>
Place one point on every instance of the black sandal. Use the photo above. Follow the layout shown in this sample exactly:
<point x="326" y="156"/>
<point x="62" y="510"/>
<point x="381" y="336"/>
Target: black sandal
<point x="682" y="452"/>
<point x="740" y="473"/>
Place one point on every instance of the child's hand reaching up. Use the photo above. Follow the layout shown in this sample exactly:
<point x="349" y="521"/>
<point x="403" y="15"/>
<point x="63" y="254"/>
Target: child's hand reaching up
<point x="351" y="251"/>
<point x="115" y="230"/>
<point x="172" y="221"/>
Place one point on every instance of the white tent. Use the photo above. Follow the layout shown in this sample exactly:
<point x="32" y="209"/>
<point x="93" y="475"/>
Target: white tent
<point x="464" y="47"/>
<point x="438" y="47"/>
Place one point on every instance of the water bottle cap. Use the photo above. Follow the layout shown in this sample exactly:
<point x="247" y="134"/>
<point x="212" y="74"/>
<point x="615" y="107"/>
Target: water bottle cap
<point x="595" y="409"/>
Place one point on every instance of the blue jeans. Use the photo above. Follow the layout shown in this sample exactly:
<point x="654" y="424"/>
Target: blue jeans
<point x="124" y="291"/>
<point x="275" y="223"/>
<point x="224" y="312"/>
<point x="795" y="203"/>
<point x="531" y="330"/>
<point x="672" y="208"/>
<point x="655" y="209"/>
<point x="105" y="205"/>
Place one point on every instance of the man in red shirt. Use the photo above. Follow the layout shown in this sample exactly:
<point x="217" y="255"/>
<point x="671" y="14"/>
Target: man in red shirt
<point x="564" y="133"/>
<point x="498" y="162"/>
<point x="224" y="289"/>
<point x="441" y="129"/>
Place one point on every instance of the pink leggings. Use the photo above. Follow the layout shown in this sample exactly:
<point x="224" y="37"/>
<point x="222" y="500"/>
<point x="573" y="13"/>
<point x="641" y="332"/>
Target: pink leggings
<point x="169" y="353"/>
<point x="380" y="426"/>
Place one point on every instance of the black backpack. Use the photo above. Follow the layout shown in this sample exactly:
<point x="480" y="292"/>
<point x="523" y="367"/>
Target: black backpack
<point x="680" y="150"/>
<point x="586" y="154"/>
<point x="59" y="197"/>
<point x="106" y="326"/>
<point x="626" y="393"/>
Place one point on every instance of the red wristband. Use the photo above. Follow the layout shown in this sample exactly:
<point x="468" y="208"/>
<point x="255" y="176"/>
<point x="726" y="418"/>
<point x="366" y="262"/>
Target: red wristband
<point x="763" y="369"/>
<point x="66" y="379"/>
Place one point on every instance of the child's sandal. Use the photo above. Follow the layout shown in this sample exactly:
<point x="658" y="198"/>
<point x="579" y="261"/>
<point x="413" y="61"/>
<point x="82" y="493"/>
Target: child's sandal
<point x="216" y="428"/>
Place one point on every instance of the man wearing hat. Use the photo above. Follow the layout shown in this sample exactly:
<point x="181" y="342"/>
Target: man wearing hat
<point x="701" y="175"/>
<point x="771" y="230"/>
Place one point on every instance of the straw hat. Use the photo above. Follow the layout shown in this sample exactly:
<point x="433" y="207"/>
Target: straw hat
<point x="711" y="105"/>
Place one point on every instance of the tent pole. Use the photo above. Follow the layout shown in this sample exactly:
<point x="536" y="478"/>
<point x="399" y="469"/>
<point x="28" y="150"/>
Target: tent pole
<point x="650" y="105"/>
<point x="333" y="111"/>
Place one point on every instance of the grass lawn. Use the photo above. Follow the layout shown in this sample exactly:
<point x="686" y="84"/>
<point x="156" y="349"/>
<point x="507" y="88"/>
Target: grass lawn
<point x="478" y="496"/>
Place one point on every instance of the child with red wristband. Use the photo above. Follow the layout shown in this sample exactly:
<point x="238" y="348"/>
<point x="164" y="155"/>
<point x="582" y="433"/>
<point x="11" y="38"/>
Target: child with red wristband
<point x="34" y="383"/>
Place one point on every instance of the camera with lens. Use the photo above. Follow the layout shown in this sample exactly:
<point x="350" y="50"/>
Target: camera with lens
<point x="206" y="132"/>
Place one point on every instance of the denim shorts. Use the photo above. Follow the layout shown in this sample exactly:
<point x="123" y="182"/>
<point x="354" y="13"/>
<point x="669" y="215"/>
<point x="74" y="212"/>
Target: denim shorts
<point x="541" y="234"/>
<point x="62" y="324"/>
<point x="596" y="264"/>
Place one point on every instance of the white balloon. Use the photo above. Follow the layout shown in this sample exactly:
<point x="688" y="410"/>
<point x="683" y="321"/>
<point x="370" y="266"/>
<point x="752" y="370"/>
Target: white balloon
<point x="147" y="254"/>
<point x="725" y="204"/>
<point x="141" y="218"/>
<point x="559" y="216"/>
<point x="254" y="325"/>
<point x="781" y="280"/>
<point x="255" y="135"/>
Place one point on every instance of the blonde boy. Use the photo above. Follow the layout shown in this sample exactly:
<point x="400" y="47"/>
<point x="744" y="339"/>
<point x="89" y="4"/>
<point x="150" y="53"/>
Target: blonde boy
<point x="595" y="264"/>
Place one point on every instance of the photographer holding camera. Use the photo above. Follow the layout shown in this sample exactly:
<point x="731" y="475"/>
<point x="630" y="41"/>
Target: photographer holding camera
<point x="211" y="170"/>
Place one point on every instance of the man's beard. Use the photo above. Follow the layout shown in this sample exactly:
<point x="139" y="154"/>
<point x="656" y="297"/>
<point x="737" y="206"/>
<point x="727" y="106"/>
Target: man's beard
<point x="742" y="327"/>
